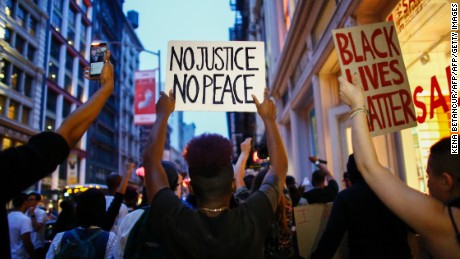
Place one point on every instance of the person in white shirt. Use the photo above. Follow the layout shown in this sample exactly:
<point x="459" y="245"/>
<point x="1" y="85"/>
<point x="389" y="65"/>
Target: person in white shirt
<point x="20" y="227"/>
<point x="38" y="218"/>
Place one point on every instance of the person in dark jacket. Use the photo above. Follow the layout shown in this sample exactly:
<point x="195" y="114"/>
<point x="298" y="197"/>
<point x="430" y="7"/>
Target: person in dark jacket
<point x="373" y="230"/>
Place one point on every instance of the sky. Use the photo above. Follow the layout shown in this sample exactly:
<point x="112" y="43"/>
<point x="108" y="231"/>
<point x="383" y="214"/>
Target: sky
<point x="199" y="20"/>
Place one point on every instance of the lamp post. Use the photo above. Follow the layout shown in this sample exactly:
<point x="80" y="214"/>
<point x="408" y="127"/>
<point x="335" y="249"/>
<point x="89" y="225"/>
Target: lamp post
<point x="157" y="54"/>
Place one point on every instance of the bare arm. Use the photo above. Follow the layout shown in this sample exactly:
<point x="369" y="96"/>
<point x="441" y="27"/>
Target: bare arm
<point x="238" y="171"/>
<point x="155" y="175"/>
<point x="400" y="198"/>
<point x="278" y="157"/>
<point x="124" y="183"/>
<point x="76" y="124"/>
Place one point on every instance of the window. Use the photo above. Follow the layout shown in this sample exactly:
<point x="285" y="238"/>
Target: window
<point x="55" y="49"/>
<point x="31" y="53"/>
<point x="4" y="71"/>
<point x="81" y="73"/>
<point x="20" y="43"/>
<point x="53" y="71"/>
<point x="33" y="23"/>
<point x="28" y="81"/>
<point x="2" y="104"/>
<point x="21" y="16"/>
<point x="68" y="82"/>
<point x="71" y="27"/>
<point x="80" y="89"/>
<point x="25" y="115"/>
<point x="8" y="35"/>
<point x="7" y="143"/>
<point x="15" y="78"/>
<point x="66" y="109"/>
<point x="49" y="123"/>
<point x="51" y="101"/>
<point x="57" y="15"/>
<point x="13" y="110"/>
<point x="9" y="7"/>
<point x="69" y="62"/>
<point x="83" y="39"/>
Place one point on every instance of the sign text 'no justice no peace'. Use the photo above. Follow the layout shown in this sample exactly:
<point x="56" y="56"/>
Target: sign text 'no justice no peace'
<point x="215" y="76"/>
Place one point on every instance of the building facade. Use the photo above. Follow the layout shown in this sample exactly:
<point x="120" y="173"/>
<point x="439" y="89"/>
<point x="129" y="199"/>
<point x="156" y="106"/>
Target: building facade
<point x="68" y="46"/>
<point x="23" y="36"/>
<point x="242" y="125"/>
<point x="113" y="139"/>
<point x="303" y="67"/>
<point x="128" y="133"/>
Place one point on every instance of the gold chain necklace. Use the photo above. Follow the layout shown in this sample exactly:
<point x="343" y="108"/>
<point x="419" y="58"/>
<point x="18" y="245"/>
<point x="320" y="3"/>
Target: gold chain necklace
<point x="213" y="212"/>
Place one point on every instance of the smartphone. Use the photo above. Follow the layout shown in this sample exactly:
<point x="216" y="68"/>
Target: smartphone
<point x="96" y="58"/>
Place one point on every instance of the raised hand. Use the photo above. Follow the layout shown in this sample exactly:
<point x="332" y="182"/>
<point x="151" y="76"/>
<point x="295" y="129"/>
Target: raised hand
<point x="107" y="74"/>
<point x="266" y="109"/>
<point x="166" y="104"/>
<point x="351" y="94"/>
<point x="246" y="145"/>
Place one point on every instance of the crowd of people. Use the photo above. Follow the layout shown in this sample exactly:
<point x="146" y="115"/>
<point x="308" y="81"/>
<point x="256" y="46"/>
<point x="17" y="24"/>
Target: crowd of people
<point x="228" y="213"/>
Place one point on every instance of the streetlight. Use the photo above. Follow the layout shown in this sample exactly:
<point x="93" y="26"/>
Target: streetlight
<point x="157" y="54"/>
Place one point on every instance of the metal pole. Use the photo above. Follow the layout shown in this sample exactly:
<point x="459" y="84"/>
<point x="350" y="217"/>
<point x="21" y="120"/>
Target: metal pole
<point x="159" y="69"/>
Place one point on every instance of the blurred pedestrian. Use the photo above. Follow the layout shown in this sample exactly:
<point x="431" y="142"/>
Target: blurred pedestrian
<point x="38" y="218"/>
<point x="20" y="228"/>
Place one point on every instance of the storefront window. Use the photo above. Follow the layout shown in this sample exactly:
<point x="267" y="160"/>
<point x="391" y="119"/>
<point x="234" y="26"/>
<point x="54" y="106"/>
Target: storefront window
<point x="13" y="110"/>
<point x="423" y="33"/>
<point x="6" y="143"/>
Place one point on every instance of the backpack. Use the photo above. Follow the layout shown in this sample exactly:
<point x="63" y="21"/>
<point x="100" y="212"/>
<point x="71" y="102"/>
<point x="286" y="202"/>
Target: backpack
<point x="75" y="248"/>
<point x="142" y="242"/>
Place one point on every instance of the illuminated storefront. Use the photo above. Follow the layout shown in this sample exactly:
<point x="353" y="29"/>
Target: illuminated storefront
<point x="303" y="70"/>
<point x="424" y="35"/>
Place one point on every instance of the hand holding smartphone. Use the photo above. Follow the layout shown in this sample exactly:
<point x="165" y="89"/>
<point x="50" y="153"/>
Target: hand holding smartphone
<point x="97" y="53"/>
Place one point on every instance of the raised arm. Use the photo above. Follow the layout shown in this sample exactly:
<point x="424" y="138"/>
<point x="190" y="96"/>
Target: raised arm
<point x="155" y="175"/>
<point x="276" y="150"/>
<point x="114" y="208"/>
<point x="396" y="195"/>
<point x="238" y="171"/>
<point x="76" y="124"/>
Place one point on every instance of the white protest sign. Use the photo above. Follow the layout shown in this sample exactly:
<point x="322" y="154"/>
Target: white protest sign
<point x="215" y="76"/>
<point x="372" y="52"/>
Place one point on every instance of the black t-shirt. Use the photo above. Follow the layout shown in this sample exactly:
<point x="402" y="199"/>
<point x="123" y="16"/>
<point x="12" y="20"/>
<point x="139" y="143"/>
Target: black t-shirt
<point x="373" y="230"/>
<point x="324" y="195"/>
<point x="237" y="233"/>
<point x="23" y="166"/>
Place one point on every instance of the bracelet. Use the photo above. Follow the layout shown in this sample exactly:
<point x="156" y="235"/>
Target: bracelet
<point x="358" y="110"/>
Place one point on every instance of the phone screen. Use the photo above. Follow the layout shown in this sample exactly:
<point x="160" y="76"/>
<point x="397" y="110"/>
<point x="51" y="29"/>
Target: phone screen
<point x="97" y="52"/>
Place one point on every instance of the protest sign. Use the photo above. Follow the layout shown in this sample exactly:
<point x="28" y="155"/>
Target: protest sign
<point x="144" y="97"/>
<point x="311" y="221"/>
<point x="371" y="53"/>
<point x="215" y="76"/>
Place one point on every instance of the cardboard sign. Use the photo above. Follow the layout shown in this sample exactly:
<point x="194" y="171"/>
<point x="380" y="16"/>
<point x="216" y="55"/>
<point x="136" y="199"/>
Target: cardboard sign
<point x="215" y="76"/>
<point x="372" y="53"/>
<point x="144" y="97"/>
<point x="311" y="220"/>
